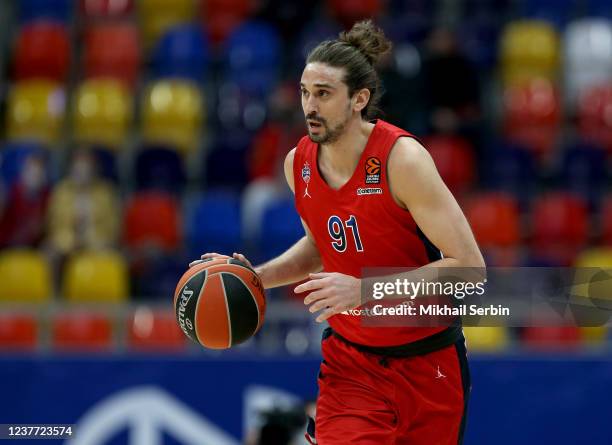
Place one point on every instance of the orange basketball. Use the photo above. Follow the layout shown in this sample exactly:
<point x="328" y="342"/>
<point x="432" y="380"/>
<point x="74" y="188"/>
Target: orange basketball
<point x="220" y="303"/>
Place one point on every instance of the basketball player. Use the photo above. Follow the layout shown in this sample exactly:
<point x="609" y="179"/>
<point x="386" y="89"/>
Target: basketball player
<point x="369" y="195"/>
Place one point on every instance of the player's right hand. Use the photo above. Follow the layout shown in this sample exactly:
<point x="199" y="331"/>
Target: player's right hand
<point x="210" y="255"/>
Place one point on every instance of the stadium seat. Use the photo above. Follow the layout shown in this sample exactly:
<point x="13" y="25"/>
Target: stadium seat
<point x="219" y="234"/>
<point x="253" y="57"/>
<point x="12" y="157"/>
<point x="106" y="8"/>
<point x="454" y="160"/>
<point x="606" y="221"/>
<point x="42" y="51"/>
<point x="348" y="12"/>
<point x="593" y="279"/>
<point x="59" y="10"/>
<point x="486" y="338"/>
<point x="152" y="219"/>
<point x="281" y="228"/>
<point x="226" y="168"/>
<point x="587" y="49"/>
<point x="18" y="331"/>
<point x="112" y="50"/>
<point x="555" y="12"/>
<point x="594" y="122"/>
<point x="173" y="112"/>
<point x="181" y="52"/>
<point x="81" y="331"/>
<point x="221" y="17"/>
<point x="102" y="113"/>
<point x="154" y="330"/>
<point x="529" y="49"/>
<point x="154" y="276"/>
<point x="157" y="16"/>
<point x="95" y="277"/>
<point x="510" y="168"/>
<point x="532" y="115"/>
<point x="25" y="277"/>
<point x="560" y="227"/>
<point x="552" y="338"/>
<point x="494" y="218"/>
<point x="159" y="168"/>
<point x="583" y="171"/>
<point x="35" y="111"/>
<point x="106" y="162"/>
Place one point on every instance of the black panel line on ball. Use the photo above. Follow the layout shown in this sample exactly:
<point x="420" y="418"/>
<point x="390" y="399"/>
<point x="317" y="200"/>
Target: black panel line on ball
<point x="195" y="316"/>
<point x="229" y="319"/>
<point x="250" y="293"/>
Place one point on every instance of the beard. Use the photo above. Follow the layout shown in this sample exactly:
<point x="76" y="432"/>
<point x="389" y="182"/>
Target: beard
<point x="329" y="135"/>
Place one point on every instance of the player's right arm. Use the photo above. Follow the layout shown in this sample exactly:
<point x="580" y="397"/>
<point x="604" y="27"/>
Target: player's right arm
<point x="296" y="262"/>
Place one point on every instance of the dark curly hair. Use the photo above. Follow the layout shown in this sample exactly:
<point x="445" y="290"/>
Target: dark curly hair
<point x="357" y="51"/>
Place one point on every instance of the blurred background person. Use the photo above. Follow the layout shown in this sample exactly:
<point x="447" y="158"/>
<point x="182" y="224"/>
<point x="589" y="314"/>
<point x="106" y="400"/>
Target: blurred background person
<point x="83" y="209"/>
<point x="25" y="205"/>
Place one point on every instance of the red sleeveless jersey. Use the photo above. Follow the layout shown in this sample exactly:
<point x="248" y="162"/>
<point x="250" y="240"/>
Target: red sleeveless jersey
<point x="360" y="225"/>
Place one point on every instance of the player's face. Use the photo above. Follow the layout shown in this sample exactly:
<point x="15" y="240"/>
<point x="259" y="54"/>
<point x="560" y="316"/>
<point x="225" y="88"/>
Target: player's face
<point x="325" y="101"/>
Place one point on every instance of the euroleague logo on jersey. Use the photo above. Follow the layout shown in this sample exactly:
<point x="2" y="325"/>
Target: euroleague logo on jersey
<point x="372" y="170"/>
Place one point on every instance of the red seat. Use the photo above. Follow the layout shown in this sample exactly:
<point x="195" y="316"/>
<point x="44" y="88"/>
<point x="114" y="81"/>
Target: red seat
<point x="112" y="50"/>
<point x="221" y="17"/>
<point x="348" y="12"/>
<point x="18" y="331"/>
<point x="551" y="337"/>
<point x="560" y="227"/>
<point x="532" y="115"/>
<point x="454" y="160"/>
<point x="494" y="218"/>
<point x="606" y="221"/>
<point x="152" y="218"/>
<point x="42" y="51"/>
<point x="594" y="111"/>
<point x="150" y="329"/>
<point x="81" y="331"/>
<point x="106" y="8"/>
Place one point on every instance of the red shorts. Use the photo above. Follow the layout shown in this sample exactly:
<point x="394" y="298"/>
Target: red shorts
<point x="365" y="399"/>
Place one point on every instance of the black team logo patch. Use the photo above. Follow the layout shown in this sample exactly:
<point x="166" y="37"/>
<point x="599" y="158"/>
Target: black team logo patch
<point x="372" y="170"/>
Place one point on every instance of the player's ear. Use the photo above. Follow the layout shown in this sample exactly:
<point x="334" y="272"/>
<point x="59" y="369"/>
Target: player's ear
<point x="361" y="99"/>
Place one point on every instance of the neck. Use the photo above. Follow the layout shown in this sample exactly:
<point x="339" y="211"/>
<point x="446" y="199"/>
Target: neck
<point x="343" y="155"/>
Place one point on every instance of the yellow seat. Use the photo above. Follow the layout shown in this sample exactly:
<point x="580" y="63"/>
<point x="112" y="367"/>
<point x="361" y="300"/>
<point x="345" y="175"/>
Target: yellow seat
<point x="588" y="264"/>
<point x="486" y="338"/>
<point x="35" y="111"/>
<point x="157" y="16"/>
<point x="102" y="112"/>
<point x="24" y="277"/>
<point x="529" y="49"/>
<point x="96" y="277"/>
<point x="172" y="114"/>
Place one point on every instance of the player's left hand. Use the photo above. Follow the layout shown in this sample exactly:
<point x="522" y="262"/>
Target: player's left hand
<point x="332" y="293"/>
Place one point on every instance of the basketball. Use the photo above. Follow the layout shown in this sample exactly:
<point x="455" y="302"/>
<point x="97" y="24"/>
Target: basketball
<point x="220" y="303"/>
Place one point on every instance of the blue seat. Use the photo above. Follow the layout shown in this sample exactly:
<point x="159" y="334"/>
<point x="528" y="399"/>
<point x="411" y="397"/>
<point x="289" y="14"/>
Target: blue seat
<point x="107" y="164"/>
<point x="510" y="168"/>
<point x="280" y="229"/>
<point x="157" y="277"/>
<point x="213" y="223"/>
<point x="583" y="170"/>
<point x="60" y="10"/>
<point x="159" y="168"/>
<point x="556" y="12"/>
<point x="598" y="8"/>
<point x="12" y="157"/>
<point x="225" y="165"/>
<point x="253" y="57"/>
<point x="182" y="52"/>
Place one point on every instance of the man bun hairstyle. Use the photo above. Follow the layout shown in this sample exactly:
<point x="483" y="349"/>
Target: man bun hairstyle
<point x="357" y="51"/>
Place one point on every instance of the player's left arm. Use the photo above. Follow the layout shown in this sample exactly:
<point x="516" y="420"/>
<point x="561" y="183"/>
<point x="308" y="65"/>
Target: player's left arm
<point x="416" y="186"/>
